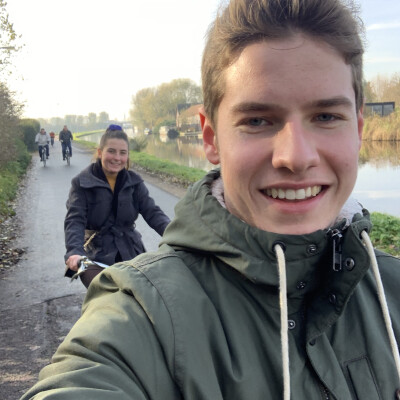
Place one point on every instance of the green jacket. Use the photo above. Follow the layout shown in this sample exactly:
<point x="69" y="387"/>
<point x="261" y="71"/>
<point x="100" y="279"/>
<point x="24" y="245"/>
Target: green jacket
<point x="200" y="318"/>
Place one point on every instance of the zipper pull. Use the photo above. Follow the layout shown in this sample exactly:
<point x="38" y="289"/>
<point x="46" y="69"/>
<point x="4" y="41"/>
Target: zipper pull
<point x="336" y="236"/>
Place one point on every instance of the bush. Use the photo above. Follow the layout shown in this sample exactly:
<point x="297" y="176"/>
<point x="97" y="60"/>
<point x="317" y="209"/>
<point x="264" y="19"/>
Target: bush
<point x="138" y="143"/>
<point x="29" y="129"/>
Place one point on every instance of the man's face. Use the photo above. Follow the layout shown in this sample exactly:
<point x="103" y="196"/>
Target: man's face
<point x="42" y="132"/>
<point x="287" y="135"/>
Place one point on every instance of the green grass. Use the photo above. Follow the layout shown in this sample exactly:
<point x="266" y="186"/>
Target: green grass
<point x="8" y="190"/>
<point x="385" y="234"/>
<point x="80" y="134"/>
<point x="173" y="172"/>
<point x="10" y="176"/>
<point x="87" y="145"/>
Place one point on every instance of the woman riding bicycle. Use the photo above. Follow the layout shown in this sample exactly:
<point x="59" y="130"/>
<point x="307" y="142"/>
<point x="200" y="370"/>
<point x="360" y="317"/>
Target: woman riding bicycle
<point x="104" y="202"/>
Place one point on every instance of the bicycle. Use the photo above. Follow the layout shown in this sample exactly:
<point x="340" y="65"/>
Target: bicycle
<point x="43" y="156"/>
<point x="67" y="156"/>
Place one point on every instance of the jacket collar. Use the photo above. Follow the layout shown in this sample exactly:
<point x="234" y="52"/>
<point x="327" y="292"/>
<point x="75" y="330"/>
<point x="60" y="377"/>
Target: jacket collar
<point x="89" y="180"/>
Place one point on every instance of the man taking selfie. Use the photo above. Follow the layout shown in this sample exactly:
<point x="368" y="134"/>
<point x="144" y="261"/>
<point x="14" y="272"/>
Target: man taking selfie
<point x="266" y="284"/>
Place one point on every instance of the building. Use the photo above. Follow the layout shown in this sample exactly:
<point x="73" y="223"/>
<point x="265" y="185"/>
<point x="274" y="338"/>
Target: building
<point x="187" y="118"/>
<point x="381" y="109"/>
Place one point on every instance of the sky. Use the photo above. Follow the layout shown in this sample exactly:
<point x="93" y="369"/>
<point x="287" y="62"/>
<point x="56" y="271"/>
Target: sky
<point x="83" y="56"/>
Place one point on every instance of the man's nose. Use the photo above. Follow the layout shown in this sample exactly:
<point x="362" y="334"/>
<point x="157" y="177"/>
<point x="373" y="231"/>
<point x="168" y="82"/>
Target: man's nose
<point x="295" y="148"/>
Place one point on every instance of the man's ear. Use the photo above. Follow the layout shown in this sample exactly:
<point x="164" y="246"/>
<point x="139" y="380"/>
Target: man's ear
<point x="360" y="125"/>
<point x="210" y="144"/>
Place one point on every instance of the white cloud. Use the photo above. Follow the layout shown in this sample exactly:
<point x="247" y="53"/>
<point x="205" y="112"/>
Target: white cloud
<point x="375" y="60"/>
<point x="383" y="26"/>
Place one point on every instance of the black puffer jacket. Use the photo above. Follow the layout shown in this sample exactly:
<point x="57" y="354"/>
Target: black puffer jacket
<point x="91" y="205"/>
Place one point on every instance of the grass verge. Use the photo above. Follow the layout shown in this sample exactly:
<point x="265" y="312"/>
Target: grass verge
<point x="10" y="176"/>
<point x="166" y="169"/>
<point x="385" y="234"/>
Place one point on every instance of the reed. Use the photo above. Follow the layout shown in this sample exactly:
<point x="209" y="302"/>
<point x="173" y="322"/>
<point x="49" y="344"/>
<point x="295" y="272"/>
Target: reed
<point x="382" y="128"/>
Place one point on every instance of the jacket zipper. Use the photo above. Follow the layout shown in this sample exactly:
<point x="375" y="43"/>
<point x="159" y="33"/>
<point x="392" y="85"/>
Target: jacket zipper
<point x="336" y="236"/>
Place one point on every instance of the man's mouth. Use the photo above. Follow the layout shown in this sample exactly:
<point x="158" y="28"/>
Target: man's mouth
<point x="292" y="194"/>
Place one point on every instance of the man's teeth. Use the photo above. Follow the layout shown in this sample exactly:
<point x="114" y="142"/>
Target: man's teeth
<point x="291" y="194"/>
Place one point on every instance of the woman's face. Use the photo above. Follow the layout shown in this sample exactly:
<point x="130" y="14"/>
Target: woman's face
<point x="114" y="156"/>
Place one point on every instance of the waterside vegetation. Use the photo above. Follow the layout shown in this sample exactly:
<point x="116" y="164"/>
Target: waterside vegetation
<point x="377" y="128"/>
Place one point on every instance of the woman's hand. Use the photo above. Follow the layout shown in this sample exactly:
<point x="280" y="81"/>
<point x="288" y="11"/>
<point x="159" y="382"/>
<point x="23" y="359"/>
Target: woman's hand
<point x="73" y="262"/>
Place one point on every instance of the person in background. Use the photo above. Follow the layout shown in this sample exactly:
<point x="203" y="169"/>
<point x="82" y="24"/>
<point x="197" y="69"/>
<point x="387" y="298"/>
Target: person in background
<point x="52" y="136"/>
<point x="43" y="140"/>
<point x="266" y="284"/>
<point x="65" y="138"/>
<point x="103" y="204"/>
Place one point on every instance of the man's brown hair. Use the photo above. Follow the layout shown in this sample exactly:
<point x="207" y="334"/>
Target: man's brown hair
<point x="244" y="22"/>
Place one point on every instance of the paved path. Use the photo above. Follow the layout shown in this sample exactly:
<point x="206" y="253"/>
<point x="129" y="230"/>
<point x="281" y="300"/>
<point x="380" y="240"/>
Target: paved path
<point x="39" y="305"/>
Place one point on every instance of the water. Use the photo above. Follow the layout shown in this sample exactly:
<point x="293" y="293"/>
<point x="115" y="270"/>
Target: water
<point x="377" y="187"/>
<point x="378" y="183"/>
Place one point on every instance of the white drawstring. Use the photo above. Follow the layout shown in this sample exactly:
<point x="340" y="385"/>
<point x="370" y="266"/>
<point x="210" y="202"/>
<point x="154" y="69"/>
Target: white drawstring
<point x="284" y="320"/>
<point x="382" y="300"/>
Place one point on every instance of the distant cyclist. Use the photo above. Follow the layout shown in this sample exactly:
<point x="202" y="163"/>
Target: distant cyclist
<point x="52" y="136"/>
<point x="65" y="137"/>
<point x="43" y="140"/>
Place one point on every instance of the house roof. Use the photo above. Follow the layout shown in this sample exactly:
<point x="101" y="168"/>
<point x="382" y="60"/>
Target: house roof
<point x="191" y="111"/>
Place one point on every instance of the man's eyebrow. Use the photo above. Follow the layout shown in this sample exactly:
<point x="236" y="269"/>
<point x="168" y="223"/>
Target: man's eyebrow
<point x="332" y="102"/>
<point x="321" y="103"/>
<point x="255" y="106"/>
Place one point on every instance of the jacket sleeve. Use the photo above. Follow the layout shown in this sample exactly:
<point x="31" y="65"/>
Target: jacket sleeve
<point x="152" y="213"/>
<point x="75" y="220"/>
<point x="112" y="352"/>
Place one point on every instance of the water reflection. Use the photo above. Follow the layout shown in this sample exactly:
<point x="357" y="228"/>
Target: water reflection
<point x="183" y="151"/>
<point x="377" y="186"/>
<point x="380" y="154"/>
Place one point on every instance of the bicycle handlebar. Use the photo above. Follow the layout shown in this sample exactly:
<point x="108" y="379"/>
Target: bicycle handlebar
<point x="83" y="264"/>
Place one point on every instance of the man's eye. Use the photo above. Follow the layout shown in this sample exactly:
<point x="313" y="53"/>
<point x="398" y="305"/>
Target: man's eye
<point x="256" y="121"/>
<point x="326" y="117"/>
